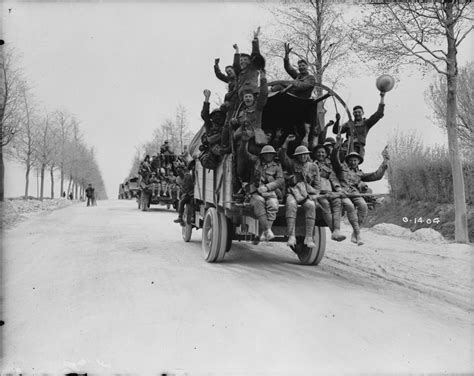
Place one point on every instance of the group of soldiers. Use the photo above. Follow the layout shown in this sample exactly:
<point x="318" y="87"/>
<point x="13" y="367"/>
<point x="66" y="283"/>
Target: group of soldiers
<point x="164" y="168"/>
<point x="320" y="172"/>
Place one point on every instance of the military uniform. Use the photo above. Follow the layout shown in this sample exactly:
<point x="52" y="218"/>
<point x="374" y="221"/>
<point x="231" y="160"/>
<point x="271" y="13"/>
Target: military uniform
<point x="303" y="189"/>
<point x="265" y="204"/>
<point x="330" y="207"/>
<point x="350" y="180"/>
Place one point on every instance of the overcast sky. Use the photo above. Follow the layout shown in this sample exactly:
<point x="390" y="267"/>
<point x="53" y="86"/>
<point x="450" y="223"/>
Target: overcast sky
<point x="121" y="68"/>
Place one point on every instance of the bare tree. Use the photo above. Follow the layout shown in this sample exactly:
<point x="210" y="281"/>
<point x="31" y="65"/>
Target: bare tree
<point x="23" y="145"/>
<point x="436" y="98"/>
<point x="11" y="85"/>
<point x="45" y="148"/>
<point x="400" y="33"/>
<point x="64" y="128"/>
<point x="316" y="31"/>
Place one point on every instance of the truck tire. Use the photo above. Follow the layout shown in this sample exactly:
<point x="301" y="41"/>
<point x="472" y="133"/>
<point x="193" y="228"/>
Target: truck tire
<point x="211" y="235"/>
<point x="311" y="256"/>
<point x="144" y="201"/>
<point x="224" y="236"/>
<point x="187" y="229"/>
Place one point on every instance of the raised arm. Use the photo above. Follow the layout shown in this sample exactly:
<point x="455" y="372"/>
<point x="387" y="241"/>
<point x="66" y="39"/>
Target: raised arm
<point x="286" y="62"/>
<point x="371" y="121"/>
<point x="236" y="63"/>
<point x="221" y="76"/>
<point x="255" y="42"/>
<point x="245" y="150"/>
<point x="263" y="96"/>
<point x="286" y="162"/>
<point x="205" y="107"/>
<point x="336" y="163"/>
<point x="377" y="175"/>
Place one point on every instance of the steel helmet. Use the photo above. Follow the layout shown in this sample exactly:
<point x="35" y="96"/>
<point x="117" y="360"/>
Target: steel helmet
<point x="301" y="150"/>
<point x="267" y="149"/>
<point x="354" y="154"/>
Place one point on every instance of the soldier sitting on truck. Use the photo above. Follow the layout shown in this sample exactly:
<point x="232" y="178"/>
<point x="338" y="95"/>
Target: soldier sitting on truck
<point x="350" y="177"/>
<point x="186" y="184"/>
<point x="303" y="187"/>
<point x="266" y="187"/>
<point x="329" y="202"/>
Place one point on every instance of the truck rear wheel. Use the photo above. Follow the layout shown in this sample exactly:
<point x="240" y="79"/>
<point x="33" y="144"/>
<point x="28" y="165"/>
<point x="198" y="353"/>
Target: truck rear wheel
<point x="311" y="256"/>
<point x="214" y="235"/>
<point x="187" y="229"/>
<point x="144" y="198"/>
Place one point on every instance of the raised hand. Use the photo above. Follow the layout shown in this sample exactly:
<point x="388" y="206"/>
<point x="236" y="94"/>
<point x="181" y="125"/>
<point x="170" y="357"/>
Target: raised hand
<point x="290" y="137"/>
<point x="207" y="93"/>
<point x="338" y="116"/>
<point x="256" y="33"/>
<point x="307" y="128"/>
<point x="216" y="60"/>
<point x="287" y="49"/>
<point x="385" y="155"/>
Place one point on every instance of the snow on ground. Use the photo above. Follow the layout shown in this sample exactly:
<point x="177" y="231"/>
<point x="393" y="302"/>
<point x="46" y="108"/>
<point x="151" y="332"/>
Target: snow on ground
<point x="15" y="210"/>
<point x="423" y="262"/>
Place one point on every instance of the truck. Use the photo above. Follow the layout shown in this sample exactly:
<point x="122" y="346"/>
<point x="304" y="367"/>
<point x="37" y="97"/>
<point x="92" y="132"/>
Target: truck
<point x="131" y="188"/>
<point x="157" y="191"/>
<point x="223" y="220"/>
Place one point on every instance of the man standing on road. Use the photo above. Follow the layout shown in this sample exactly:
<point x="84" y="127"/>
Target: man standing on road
<point x="90" y="195"/>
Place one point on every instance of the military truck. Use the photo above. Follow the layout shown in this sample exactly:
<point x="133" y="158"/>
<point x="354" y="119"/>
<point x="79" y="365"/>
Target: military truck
<point x="224" y="220"/>
<point x="158" y="191"/>
<point x="131" y="187"/>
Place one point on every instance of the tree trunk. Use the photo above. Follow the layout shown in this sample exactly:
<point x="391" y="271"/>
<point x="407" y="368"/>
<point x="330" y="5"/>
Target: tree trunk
<point x="62" y="181"/>
<point x="69" y="186"/>
<point x="43" y="167"/>
<point x="76" y="188"/>
<point x="37" y="182"/>
<point x="2" y="174"/>
<point x="27" y="179"/>
<point x="460" y="210"/>
<point x="51" y="171"/>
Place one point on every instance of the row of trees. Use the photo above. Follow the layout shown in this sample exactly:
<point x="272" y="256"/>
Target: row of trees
<point x="389" y="37"/>
<point x="174" y="130"/>
<point x="45" y="142"/>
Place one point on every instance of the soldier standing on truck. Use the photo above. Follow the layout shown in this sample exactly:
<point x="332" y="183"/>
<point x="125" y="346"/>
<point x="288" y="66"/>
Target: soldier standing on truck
<point x="360" y="128"/>
<point x="302" y="189"/>
<point x="302" y="84"/>
<point x="145" y="169"/>
<point x="186" y="184"/>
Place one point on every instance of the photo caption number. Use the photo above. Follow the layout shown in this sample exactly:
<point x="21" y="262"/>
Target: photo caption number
<point x="405" y="219"/>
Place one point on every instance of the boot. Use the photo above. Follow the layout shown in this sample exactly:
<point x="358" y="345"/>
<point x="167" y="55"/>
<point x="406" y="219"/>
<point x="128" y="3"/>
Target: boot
<point x="291" y="222"/>
<point x="270" y="235"/>
<point x="264" y="236"/>
<point x="178" y="220"/>
<point x="355" y="238"/>
<point x="291" y="241"/>
<point x="337" y="236"/>
<point x="308" y="240"/>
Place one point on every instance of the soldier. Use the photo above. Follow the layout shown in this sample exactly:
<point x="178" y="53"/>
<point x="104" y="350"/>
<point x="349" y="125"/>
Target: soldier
<point x="350" y="177"/>
<point x="303" y="188"/>
<point x="211" y="140"/>
<point x="90" y="193"/>
<point x="330" y="204"/>
<point x="266" y="186"/>
<point x="145" y="169"/>
<point x="250" y="65"/>
<point x="250" y="114"/>
<point x="359" y="130"/>
<point x="303" y="83"/>
<point x="186" y="185"/>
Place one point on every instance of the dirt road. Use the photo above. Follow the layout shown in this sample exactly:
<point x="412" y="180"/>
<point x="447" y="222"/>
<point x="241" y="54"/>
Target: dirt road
<point x="109" y="289"/>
